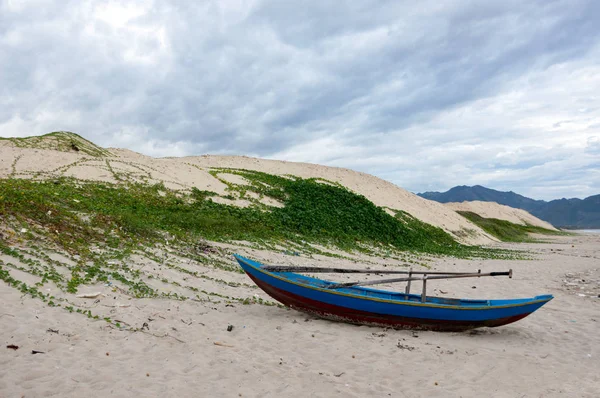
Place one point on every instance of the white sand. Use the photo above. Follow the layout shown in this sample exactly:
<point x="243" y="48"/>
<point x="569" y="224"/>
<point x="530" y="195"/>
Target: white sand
<point x="278" y="352"/>
<point x="186" y="350"/>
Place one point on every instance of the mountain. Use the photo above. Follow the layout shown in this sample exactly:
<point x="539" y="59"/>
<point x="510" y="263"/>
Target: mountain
<point x="564" y="213"/>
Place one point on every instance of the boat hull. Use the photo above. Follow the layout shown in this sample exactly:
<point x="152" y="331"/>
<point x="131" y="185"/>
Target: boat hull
<point x="365" y="306"/>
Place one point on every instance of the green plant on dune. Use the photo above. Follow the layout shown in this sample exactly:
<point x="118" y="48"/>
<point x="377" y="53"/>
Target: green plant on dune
<point x="507" y="231"/>
<point x="73" y="214"/>
<point x="94" y="227"/>
<point x="63" y="141"/>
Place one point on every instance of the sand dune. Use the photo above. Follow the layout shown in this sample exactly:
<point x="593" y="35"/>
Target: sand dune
<point x="184" y="173"/>
<point x="103" y="341"/>
<point x="501" y="212"/>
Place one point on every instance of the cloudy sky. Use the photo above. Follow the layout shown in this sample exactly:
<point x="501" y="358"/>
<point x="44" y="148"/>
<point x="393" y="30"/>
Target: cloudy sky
<point x="425" y="94"/>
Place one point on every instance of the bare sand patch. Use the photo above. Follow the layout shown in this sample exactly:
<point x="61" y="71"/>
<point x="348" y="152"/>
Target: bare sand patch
<point x="184" y="348"/>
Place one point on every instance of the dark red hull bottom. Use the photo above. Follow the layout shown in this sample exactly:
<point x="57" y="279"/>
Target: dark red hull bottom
<point x="343" y="314"/>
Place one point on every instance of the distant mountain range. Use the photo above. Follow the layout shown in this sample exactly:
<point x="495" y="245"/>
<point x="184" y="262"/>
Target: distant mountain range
<point x="564" y="213"/>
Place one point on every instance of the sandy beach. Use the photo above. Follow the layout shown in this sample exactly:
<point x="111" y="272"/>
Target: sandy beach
<point x="209" y="331"/>
<point x="186" y="350"/>
<point x="180" y="180"/>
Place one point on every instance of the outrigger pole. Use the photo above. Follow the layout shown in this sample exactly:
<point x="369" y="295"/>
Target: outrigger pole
<point x="424" y="277"/>
<point x="317" y="270"/>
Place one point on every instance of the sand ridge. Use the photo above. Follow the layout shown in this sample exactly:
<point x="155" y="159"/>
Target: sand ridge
<point x="187" y="172"/>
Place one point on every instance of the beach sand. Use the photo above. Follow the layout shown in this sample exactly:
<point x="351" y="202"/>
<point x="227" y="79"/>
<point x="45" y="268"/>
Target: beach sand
<point x="171" y="348"/>
<point x="186" y="350"/>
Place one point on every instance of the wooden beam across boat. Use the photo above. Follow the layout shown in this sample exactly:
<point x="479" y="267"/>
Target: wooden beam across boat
<point x="425" y="277"/>
<point x="316" y="270"/>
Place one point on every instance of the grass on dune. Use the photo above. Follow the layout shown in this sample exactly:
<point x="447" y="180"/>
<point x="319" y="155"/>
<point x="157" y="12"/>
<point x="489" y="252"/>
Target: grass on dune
<point x="76" y="214"/>
<point x="98" y="226"/>
<point x="63" y="141"/>
<point x="507" y="231"/>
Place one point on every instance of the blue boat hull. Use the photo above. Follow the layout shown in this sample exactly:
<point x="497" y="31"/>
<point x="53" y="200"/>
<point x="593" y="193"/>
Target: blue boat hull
<point x="362" y="305"/>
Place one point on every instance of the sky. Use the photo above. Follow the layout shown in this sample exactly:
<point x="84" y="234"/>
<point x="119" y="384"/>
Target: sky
<point x="426" y="94"/>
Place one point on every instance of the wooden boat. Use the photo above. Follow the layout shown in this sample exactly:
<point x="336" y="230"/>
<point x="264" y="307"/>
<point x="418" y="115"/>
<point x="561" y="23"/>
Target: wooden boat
<point x="353" y="303"/>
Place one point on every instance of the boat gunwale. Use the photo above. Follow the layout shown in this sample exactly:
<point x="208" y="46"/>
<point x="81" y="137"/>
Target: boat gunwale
<point x="399" y="301"/>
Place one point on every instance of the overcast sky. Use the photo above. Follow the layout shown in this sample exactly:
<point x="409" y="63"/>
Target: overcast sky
<point x="425" y="94"/>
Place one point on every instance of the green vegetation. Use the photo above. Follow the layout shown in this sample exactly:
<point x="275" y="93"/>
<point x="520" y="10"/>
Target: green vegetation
<point x="73" y="214"/>
<point x="66" y="233"/>
<point x="136" y="240"/>
<point x="63" y="141"/>
<point x="505" y="230"/>
<point x="321" y="211"/>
